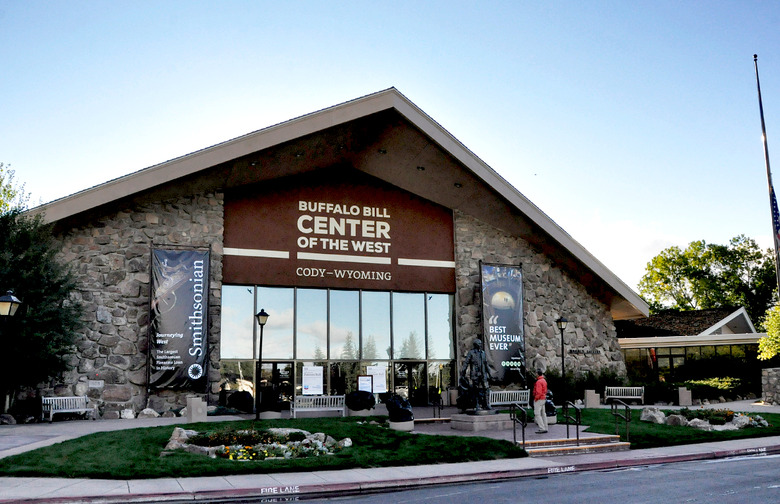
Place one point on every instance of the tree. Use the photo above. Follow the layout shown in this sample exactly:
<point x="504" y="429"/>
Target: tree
<point x="410" y="349"/>
<point x="711" y="276"/>
<point x="769" y="346"/>
<point x="349" y="351"/>
<point x="38" y="340"/>
<point x="12" y="195"/>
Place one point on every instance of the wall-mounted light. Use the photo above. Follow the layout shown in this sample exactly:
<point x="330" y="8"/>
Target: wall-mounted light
<point x="458" y="185"/>
<point x="382" y="151"/>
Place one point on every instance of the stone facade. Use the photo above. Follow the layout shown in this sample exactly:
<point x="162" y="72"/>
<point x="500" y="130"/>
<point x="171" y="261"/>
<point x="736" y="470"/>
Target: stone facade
<point x="548" y="293"/>
<point x="111" y="256"/>
<point x="770" y="385"/>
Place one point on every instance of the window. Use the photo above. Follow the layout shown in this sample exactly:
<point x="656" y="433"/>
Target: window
<point x="278" y="332"/>
<point x="238" y="304"/>
<point x="344" y="324"/>
<point x="408" y="326"/>
<point x="311" y="324"/>
<point x="440" y="336"/>
<point x="375" y="332"/>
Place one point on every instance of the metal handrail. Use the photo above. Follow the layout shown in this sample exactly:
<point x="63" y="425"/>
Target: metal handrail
<point x="616" y="404"/>
<point x="577" y="418"/>
<point x="513" y="409"/>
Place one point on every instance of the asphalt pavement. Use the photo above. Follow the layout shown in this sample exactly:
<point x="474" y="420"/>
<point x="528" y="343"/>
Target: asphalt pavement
<point x="16" y="439"/>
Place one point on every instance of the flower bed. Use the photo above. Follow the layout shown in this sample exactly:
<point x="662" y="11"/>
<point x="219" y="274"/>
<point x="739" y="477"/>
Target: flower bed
<point x="247" y="445"/>
<point x="705" y="419"/>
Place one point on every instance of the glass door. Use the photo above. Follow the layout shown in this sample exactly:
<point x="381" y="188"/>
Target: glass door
<point x="410" y="381"/>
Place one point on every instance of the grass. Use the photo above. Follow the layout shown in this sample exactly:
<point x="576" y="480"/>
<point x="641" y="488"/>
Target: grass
<point x="650" y="435"/>
<point x="135" y="453"/>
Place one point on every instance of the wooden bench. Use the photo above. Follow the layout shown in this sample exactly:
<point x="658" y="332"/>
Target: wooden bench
<point x="75" y="404"/>
<point x="507" y="397"/>
<point x="304" y="403"/>
<point x="625" y="394"/>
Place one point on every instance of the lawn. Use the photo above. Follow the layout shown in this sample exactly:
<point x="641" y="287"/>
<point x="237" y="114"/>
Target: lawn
<point x="650" y="435"/>
<point x="136" y="453"/>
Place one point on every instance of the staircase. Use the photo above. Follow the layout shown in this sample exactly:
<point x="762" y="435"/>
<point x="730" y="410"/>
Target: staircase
<point x="590" y="444"/>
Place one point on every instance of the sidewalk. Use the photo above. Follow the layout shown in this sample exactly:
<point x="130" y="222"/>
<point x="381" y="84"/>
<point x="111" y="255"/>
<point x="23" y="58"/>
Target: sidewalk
<point x="20" y="438"/>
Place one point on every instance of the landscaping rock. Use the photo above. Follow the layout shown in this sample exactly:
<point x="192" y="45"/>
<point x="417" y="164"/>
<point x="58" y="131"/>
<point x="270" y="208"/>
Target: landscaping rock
<point x="741" y="421"/>
<point x="652" y="414"/>
<point x="676" y="420"/>
<point x="148" y="413"/>
<point x="698" y="423"/>
<point x="6" y="419"/>
<point x="127" y="414"/>
<point x="344" y="443"/>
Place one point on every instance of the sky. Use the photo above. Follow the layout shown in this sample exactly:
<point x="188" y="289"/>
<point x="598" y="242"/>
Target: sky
<point x="633" y="125"/>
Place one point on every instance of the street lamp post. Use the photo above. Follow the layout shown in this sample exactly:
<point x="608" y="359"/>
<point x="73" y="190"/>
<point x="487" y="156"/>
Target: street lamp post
<point x="562" y="323"/>
<point x="262" y="318"/>
<point x="9" y="304"/>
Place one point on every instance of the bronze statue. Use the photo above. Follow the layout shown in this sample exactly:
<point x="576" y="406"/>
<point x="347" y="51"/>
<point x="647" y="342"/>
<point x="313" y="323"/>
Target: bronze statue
<point x="473" y="386"/>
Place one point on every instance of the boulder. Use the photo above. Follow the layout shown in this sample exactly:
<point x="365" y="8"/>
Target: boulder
<point x="652" y="414"/>
<point x="741" y="421"/>
<point x="6" y="419"/>
<point x="148" y="413"/>
<point x="127" y="414"/>
<point x="698" y="423"/>
<point x="676" y="420"/>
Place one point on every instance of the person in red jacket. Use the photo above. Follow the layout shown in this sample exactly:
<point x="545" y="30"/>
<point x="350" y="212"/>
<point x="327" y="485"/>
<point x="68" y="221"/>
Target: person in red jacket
<point x="540" y="398"/>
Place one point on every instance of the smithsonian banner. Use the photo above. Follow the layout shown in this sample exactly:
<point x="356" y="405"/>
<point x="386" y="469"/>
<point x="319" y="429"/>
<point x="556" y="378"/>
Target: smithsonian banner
<point x="502" y="319"/>
<point x="179" y="319"/>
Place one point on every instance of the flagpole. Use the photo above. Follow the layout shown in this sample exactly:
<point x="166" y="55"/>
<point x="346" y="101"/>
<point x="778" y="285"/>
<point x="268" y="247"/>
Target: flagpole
<point x="772" y="197"/>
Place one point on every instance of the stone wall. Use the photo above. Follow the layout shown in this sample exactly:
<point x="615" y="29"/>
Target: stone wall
<point x="770" y="385"/>
<point x="111" y="256"/>
<point x="548" y="293"/>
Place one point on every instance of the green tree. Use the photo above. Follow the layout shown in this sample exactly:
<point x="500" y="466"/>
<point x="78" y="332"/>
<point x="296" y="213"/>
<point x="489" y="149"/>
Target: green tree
<point x="12" y="195"/>
<point x="410" y="348"/>
<point x="38" y="340"/>
<point x="711" y="276"/>
<point x="369" y="348"/>
<point x="769" y="346"/>
<point x="349" y="350"/>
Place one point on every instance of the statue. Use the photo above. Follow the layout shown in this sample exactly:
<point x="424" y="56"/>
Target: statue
<point x="473" y="386"/>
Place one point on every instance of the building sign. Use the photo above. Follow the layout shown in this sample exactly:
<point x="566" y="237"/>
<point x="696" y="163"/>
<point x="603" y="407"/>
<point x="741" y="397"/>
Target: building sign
<point x="341" y="229"/>
<point x="179" y="319"/>
<point x="312" y="380"/>
<point x="379" y="378"/>
<point x="502" y="319"/>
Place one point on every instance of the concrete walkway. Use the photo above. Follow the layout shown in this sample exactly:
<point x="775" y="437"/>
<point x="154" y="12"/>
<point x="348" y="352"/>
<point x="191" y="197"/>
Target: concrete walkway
<point x="20" y="438"/>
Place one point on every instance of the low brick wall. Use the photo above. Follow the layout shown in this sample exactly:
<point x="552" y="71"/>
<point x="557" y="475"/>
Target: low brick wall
<point x="770" y="385"/>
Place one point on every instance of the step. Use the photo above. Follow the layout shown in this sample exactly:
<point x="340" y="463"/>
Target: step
<point x="554" y="442"/>
<point x="587" y="444"/>
<point x="577" y="450"/>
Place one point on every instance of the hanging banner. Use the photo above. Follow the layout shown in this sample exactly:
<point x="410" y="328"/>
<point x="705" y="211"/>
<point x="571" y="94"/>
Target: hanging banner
<point x="502" y="320"/>
<point x="179" y="319"/>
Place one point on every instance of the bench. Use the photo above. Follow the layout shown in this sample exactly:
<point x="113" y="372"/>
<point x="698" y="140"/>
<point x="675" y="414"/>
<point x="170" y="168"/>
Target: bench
<point x="305" y="403"/>
<point x="625" y="394"/>
<point x="508" y="397"/>
<point x="75" y="404"/>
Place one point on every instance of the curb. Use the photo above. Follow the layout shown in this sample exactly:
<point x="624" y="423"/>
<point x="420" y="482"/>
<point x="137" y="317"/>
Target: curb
<point x="293" y="492"/>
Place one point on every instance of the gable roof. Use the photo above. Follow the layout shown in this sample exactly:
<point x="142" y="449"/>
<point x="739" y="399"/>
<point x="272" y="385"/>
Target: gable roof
<point x="385" y="135"/>
<point x="724" y="320"/>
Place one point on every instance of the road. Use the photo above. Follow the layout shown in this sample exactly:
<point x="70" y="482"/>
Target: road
<point x="724" y="481"/>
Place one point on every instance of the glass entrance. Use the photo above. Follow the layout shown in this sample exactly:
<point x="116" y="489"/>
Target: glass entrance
<point x="277" y="382"/>
<point x="410" y="381"/>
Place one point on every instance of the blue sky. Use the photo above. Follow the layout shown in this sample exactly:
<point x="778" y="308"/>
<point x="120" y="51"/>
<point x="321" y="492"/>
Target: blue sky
<point x="633" y="125"/>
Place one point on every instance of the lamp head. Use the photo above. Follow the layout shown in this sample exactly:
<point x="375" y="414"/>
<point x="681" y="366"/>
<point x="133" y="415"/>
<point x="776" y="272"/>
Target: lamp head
<point x="262" y="317"/>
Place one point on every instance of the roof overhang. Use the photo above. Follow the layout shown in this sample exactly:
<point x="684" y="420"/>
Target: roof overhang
<point x="396" y="141"/>
<point x="687" y="341"/>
